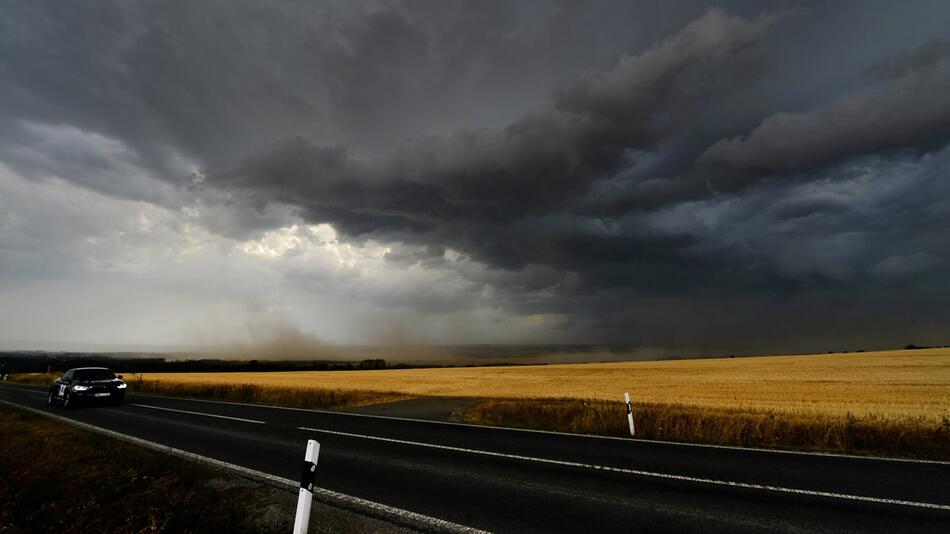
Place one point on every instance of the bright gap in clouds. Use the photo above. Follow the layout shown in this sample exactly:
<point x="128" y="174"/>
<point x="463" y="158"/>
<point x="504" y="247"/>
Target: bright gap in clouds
<point x="106" y="273"/>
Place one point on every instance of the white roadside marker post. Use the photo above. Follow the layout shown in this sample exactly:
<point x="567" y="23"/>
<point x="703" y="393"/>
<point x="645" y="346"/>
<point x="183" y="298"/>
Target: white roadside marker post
<point x="626" y="398"/>
<point x="305" y="497"/>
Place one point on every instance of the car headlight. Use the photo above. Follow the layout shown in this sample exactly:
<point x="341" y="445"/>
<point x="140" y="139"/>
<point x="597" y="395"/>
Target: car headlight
<point x="80" y="388"/>
<point x="121" y="385"/>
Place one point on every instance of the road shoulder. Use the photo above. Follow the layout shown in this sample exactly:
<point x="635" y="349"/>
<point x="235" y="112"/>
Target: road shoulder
<point x="51" y="471"/>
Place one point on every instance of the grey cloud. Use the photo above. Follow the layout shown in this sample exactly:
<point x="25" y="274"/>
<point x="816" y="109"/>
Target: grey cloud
<point x="215" y="80"/>
<point x="712" y="54"/>
<point x="924" y="57"/>
<point x="209" y="80"/>
<point x="449" y="189"/>
<point x="822" y="203"/>
<point x="407" y="256"/>
<point x="94" y="161"/>
<point x="912" y="111"/>
<point x="903" y="266"/>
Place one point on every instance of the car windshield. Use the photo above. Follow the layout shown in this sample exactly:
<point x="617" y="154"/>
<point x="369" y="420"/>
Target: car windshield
<point x="93" y="374"/>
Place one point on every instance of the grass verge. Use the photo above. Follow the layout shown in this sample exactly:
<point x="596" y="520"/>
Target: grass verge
<point x="911" y="438"/>
<point x="54" y="478"/>
<point x="57" y="478"/>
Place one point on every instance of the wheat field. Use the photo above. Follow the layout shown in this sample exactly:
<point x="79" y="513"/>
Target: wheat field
<point x="894" y="403"/>
<point x="886" y="385"/>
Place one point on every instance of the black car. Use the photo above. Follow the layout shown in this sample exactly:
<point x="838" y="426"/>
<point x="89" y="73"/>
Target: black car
<point x="87" y="384"/>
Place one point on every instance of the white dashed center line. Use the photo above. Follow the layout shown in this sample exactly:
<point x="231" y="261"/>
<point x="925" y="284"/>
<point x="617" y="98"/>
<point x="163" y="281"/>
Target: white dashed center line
<point x="199" y="413"/>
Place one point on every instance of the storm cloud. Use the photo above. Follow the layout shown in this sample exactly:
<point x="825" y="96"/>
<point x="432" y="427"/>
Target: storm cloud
<point x="924" y="57"/>
<point x="912" y="111"/>
<point x="492" y="180"/>
<point x="478" y="172"/>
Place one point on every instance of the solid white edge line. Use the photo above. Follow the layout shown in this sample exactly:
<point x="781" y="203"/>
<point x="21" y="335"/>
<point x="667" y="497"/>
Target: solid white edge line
<point x="328" y="497"/>
<point x="566" y="434"/>
<point x="198" y="413"/>
<point x="637" y="472"/>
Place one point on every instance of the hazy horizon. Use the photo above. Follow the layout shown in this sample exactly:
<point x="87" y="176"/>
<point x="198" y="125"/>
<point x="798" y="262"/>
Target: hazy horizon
<point x="421" y="355"/>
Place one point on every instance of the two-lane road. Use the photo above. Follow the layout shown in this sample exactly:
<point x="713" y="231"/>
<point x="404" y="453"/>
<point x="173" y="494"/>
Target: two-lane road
<point x="506" y="480"/>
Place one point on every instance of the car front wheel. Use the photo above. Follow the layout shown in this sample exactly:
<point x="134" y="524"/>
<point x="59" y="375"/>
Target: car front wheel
<point x="51" y="399"/>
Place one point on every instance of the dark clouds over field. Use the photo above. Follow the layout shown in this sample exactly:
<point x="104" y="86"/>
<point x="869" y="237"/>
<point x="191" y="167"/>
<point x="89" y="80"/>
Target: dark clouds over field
<point x="733" y="177"/>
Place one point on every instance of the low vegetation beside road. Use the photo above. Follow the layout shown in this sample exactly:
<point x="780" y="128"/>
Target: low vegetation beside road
<point x="58" y="478"/>
<point x="904" y="437"/>
<point x="891" y="403"/>
<point x="55" y="478"/>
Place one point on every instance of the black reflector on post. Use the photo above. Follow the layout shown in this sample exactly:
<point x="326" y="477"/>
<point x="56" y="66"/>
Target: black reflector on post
<point x="307" y="475"/>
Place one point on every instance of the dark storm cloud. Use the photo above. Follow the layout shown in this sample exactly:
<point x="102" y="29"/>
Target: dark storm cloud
<point x="471" y="189"/>
<point x="619" y="171"/>
<point x="821" y="203"/>
<point x="926" y="56"/>
<point x="911" y="111"/>
<point x="215" y="80"/>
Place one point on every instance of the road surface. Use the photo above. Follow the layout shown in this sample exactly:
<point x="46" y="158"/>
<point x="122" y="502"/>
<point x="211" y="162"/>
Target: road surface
<point x="504" y="480"/>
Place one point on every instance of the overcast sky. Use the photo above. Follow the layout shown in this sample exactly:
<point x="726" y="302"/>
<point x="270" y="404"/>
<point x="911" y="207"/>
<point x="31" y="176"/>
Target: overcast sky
<point x="682" y="176"/>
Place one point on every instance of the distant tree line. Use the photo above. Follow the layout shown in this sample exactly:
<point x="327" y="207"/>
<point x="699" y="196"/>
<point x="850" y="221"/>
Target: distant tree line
<point x="40" y="362"/>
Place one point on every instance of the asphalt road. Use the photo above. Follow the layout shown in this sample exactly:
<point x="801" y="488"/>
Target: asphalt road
<point x="517" y="481"/>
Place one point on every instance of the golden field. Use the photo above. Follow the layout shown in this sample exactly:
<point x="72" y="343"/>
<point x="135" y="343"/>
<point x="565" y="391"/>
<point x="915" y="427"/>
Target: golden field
<point x="894" y="403"/>
<point x="892" y="385"/>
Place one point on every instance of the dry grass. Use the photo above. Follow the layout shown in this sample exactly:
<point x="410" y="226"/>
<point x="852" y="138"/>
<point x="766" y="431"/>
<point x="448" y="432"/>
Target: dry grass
<point x="99" y="484"/>
<point x="58" y="478"/>
<point x="905" y="437"/>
